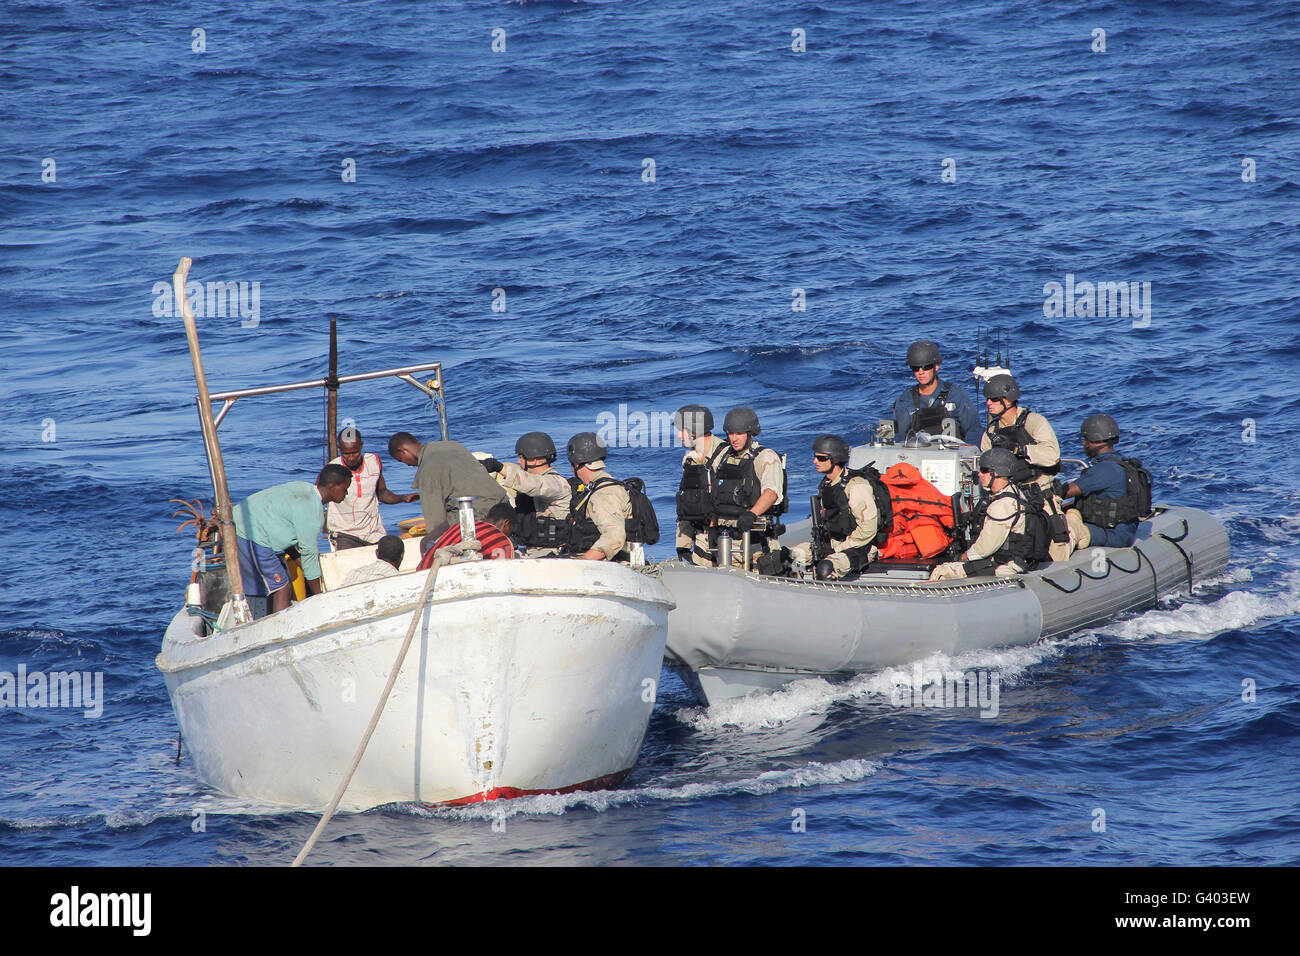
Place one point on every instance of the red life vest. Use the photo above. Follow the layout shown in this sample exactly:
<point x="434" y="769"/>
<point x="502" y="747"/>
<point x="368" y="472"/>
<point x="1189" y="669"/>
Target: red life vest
<point x="494" y="543"/>
<point x="923" y="518"/>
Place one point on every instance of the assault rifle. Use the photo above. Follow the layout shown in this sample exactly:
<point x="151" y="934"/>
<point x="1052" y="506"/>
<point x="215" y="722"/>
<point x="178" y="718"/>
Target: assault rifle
<point x="821" y="539"/>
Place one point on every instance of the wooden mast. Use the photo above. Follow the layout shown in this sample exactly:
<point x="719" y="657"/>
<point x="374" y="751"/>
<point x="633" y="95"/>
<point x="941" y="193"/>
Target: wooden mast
<point x="221" y="510"/>
<point x="332" y="396"/>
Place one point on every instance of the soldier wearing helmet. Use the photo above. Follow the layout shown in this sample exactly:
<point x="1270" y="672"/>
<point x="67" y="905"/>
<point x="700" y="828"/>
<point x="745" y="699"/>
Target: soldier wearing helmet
<point x="542" y="494"/>
<point x="1028" y="436"/>
<point x="1104" y="513"/>
<point x="600" y="508"/>
<point x="696" y="531"/>
<point x="1011" y="534"/>
<point x="846" y="500"/>
<point x="932" y="401"/>
<point x="749" y="485"/>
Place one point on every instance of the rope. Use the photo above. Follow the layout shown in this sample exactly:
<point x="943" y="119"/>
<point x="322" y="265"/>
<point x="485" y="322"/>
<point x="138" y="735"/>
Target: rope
<point x="443" y="557"/>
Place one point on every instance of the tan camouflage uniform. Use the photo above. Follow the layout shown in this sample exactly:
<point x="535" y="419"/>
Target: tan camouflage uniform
<point x="1045" y="452"/>
<point x="550" y="491"/>
<point x="610" y="508"/>
<point x="1002" y="518"/>
<point x="862" y="503"/>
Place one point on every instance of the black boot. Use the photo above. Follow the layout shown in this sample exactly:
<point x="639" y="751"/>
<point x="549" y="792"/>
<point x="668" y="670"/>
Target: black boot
<point x="824" y="571"/>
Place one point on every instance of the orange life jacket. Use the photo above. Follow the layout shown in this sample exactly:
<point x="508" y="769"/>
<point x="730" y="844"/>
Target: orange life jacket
<point x="923" y="519"/>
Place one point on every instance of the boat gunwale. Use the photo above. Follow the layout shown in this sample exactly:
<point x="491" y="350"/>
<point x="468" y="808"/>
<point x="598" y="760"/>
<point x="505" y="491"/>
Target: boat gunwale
<point x="274" y="642"/>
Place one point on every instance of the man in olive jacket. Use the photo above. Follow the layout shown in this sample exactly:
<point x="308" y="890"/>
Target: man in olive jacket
<point x="444" y="470"/>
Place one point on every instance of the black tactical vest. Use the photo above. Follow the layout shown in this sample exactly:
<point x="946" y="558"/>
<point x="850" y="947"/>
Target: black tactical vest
<point x="1015" y="436"/>
<point x="931" y="418"/>
<point x="583" y="532"/>
<point x="1110" y="512"/>
<point x="837" y="517"/>
<point x="1027" y="548"/>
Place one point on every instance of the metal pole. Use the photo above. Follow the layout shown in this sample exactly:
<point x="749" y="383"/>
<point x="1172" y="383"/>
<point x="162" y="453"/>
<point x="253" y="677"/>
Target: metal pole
<point x="221" y="509"/>
<point x="332" y="396"/>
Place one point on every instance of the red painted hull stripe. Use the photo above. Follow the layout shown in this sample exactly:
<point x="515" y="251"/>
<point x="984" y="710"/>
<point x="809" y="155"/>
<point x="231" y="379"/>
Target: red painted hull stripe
<point x="509" y="793"/>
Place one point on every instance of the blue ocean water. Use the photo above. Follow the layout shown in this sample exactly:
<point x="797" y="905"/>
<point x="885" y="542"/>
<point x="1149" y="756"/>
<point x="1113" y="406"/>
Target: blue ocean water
<point x="123" y="148"/>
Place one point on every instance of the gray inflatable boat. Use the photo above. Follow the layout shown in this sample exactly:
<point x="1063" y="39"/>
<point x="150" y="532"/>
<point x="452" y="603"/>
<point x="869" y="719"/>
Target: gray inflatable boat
<point x="734" y="632"/>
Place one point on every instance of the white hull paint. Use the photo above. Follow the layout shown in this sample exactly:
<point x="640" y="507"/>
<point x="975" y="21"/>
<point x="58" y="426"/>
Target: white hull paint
<point x="524" y="676"/>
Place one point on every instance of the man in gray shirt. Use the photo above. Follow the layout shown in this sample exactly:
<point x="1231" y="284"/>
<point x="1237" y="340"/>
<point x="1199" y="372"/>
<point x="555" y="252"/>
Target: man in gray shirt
<point x="444" y="470"/>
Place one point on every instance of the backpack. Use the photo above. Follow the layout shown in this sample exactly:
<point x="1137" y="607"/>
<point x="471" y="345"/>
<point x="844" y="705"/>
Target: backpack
<point x="884" y="503"/>
<point x="1137" y="482"/>
<point x="643" y="526"/>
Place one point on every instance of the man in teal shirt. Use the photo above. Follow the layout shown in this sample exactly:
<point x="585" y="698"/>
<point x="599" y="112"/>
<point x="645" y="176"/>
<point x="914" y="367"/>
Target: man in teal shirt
<point x="285" y="516"/>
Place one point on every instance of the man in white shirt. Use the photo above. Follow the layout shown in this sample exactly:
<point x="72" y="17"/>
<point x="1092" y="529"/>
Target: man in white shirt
<point x="354" y="522"/>
<point x="390" y="553"/>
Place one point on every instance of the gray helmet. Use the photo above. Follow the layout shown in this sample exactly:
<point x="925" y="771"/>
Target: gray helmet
<point x="832" y="445"/>
<point x="1099" y="428"/>
<point x="1002" y="386"/>
<point x="696" y="420"/>
<point x="741" y="419"/>
<point x="1000" y="462"/>
<point x="923" y="352"/>
<point x="586" y="447"/>
<point x="535" y="445"/>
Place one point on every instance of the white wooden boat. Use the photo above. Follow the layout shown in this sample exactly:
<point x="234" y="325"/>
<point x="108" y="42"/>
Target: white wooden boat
<point x="525" y="676"/>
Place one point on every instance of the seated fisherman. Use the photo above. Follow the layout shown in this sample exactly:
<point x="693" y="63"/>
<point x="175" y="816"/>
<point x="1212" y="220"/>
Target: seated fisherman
<point x="848" y="512"/>
<point x="542" y="494"/>
<point x="492" y="532"/>
<point x="444" y="470"/>
<point x="1106" y="510"/>
<point x="925" y="405"/>
<point x="388" y="561"/>
<point x="281" y="517"/>
<point x="1010" y="531"/>
<point x="354" y="521"/>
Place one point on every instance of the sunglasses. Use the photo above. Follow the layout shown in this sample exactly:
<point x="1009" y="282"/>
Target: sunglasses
<point x="923" y="368"/>
<point x="821" y="457"/>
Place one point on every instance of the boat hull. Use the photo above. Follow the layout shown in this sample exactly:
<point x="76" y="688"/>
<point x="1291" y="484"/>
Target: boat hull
<point x="523" y="677"/>
<point x="734" y="633"/>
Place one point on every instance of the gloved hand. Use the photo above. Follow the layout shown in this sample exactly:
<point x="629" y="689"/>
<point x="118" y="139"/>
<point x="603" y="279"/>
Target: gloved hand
<point x="684" y="554"/>
<point x="492" y="465"/>
<point x="745" y="521"/>
<point x="948" y="571"/>
<point x="1058" y="488"/>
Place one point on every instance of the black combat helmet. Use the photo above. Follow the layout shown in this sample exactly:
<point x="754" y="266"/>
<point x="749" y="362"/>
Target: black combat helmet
<point x="535" y="445"/>
<point x="922" y="353"/>
<point x="1099" y="428"/>
<point x="741" y="420"/>
<point x="832" y="445"/>
<point x="1000" y="462"/>
<point x="695" y="420"/>
<point x="1002" y="386"/>
<point x="586" y="447"/>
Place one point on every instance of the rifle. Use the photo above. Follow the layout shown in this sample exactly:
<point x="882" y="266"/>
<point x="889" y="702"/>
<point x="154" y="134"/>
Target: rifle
<point x="821" y="539"/>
